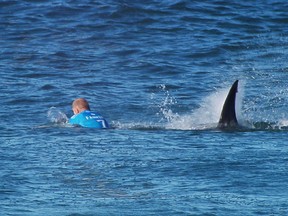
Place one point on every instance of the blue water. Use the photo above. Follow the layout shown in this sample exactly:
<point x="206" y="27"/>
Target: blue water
<point x="159" y="72"/>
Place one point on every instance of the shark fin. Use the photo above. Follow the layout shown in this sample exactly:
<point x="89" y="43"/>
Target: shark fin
<point x="228" y="115"/>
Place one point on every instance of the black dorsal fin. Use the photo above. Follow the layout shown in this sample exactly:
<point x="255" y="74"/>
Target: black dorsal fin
<point x="228" y="115"/>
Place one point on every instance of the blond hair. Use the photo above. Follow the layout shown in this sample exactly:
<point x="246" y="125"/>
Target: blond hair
<point x="81" y="104"/>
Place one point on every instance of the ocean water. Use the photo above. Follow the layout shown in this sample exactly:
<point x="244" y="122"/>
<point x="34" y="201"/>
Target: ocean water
<point x="159" y="72"/>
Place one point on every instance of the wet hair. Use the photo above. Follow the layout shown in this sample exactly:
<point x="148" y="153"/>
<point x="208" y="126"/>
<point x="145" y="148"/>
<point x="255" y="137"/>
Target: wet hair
<point x="81" y="103"/>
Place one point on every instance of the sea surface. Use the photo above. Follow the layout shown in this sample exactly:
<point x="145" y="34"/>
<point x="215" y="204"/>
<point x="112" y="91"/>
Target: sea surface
<point x="159" y="72"/>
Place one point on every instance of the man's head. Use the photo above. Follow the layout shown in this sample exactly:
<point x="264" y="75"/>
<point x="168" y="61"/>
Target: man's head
<point x="79" y="105"/>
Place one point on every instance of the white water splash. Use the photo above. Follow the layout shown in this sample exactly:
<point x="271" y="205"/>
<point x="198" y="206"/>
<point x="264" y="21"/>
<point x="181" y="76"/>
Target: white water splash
<point x="203" y="118"/>
<point x="207" y="115"/>
<point x="56" y="116"/>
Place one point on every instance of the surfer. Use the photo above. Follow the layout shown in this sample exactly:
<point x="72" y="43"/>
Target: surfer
<point x="84" y="117"/>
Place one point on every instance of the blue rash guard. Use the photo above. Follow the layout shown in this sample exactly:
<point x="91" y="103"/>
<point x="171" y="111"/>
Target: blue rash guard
<point x="89" y="119"/>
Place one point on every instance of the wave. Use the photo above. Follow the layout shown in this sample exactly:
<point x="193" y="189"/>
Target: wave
<point x="205" y="117"/>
